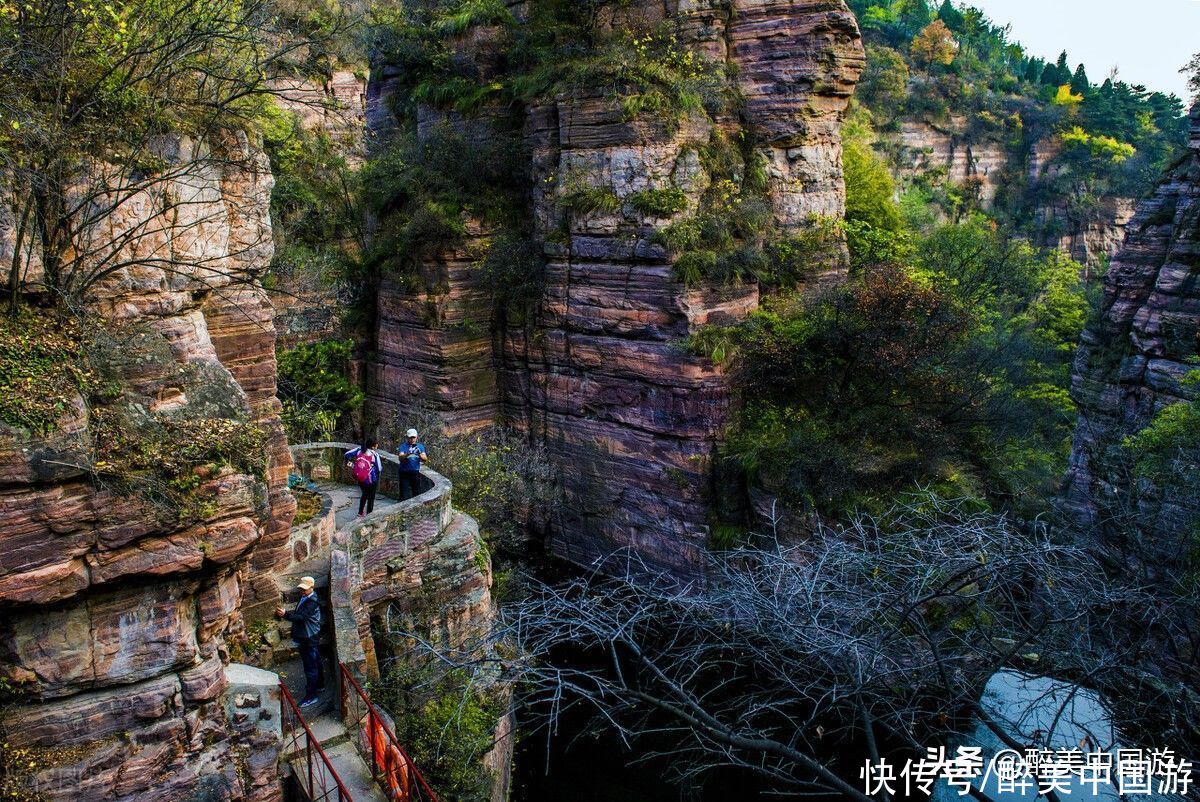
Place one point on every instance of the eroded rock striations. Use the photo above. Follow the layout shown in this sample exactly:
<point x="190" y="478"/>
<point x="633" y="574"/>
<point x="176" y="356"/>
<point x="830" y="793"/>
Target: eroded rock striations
<point x="118" y="623"/>
<point x="599" y="375"/>
<point x="1132" y="361"/>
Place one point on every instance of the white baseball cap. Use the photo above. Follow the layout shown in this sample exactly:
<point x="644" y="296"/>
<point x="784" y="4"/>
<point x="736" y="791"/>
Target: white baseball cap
<point x="411" y="433"/>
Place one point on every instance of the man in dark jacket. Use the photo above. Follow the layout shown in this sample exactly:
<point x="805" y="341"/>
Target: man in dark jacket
<point x="306" y="627"/>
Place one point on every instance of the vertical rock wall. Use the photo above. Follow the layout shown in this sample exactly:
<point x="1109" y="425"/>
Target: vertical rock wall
<point x="434" y="342"/>
<point x="1130" y="363"/>
<point x="117" y="627"/>
<point x="630" y="417"/>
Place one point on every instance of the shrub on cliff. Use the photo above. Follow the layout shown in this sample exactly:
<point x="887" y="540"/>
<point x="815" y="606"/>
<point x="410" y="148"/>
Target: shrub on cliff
<point x="447" y="721"/>
<point x="43" y="374"/>
<point x="316" y="389"/>
<point x="424" y="190"/>
<point x="316" y="215"/>
<point x="166" y="461"/>
<point x="504" y="481"/>
<point x="951" y="372"/>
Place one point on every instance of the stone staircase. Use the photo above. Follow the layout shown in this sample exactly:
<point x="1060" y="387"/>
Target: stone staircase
<point x="343" y="757"/>
<point x="324" y="721"/>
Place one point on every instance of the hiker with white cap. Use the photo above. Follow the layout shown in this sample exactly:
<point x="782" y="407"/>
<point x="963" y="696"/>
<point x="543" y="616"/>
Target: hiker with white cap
<point x="412" y="454"/>
<point x="306" y="627"/>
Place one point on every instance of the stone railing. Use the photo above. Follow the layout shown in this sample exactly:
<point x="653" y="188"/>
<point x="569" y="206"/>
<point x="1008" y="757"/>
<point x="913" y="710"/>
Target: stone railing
<point x="329" y="455"/>
<point x="314" y="535"/>
<point x="366" y="550"/>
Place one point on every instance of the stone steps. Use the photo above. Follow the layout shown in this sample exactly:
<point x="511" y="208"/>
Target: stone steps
<point x="338" y="747"/>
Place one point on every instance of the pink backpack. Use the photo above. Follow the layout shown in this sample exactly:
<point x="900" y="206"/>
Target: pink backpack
<point x="363" y="465"/>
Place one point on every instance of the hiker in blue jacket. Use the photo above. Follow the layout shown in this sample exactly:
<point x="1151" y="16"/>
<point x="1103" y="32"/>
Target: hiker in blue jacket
<point x="306" y="627"/>
<point x="366" y="472"/>
<point x="412" y="454"/>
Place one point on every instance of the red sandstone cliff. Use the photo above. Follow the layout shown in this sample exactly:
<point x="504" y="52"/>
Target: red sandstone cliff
<point x="116" y="627"/>
<point x="630" y="417"/>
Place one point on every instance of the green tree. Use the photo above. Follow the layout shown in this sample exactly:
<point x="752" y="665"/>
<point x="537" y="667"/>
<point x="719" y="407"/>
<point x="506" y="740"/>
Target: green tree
<point x="93" y="87"/>
<point x="1058" y="73"/>
<point x="951" y="372"/>
<point x="1033" y="70"/>
<point x="870" y="190"/>
<point x="884" y="83"/>
<point x="1079" y="81"/>
<point x="1061" y="64"/>
<point x="316" y="389"/>
<point x="953" y="18"/>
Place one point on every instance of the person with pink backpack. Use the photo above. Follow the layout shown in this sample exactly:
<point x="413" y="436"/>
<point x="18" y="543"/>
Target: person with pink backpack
<point x="365" y="466"/>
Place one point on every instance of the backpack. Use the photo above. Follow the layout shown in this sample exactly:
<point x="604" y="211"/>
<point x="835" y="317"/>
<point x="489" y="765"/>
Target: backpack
<point x="363" y="466"/>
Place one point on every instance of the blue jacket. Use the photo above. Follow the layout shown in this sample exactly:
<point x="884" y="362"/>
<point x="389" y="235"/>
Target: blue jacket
<point x="409" y="459"/>
<point x="352" y="455"/>
<point x="306" y="618"/>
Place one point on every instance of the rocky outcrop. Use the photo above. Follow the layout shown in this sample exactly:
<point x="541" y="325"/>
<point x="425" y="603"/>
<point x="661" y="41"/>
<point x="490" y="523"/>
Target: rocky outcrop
<point x="1091" y="241"/>
<point x="976" y="166"/>
<point x="598" y="374"/>
<point x="335" y="106"/>
<point x="118" y="618"/>
<point x="1131" y="362"/>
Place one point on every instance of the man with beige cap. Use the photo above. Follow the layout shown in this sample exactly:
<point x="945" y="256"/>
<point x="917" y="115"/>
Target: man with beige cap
<point x="306" y="627"/>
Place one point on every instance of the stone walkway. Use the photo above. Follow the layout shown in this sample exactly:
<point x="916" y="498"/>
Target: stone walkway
<point x="345" y="502"/>
<point x="323" y="718"/>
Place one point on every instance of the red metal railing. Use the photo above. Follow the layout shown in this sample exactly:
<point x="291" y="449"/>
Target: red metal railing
<point x="391" y="767"/>
<point x="314" y="773"/>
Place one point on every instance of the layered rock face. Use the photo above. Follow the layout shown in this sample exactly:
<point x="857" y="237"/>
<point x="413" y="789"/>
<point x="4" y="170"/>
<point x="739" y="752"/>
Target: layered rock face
<point x="979" y="166"/>
<point x="599" y="375"/>
<point x="924" y="148"/>
<point x="117" y="623"/>
<point x="1131" y="362"/>
<point x="435" y="343"/>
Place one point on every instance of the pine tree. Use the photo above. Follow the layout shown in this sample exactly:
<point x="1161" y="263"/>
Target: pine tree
<point x="1033" y="70"/>
<point x="1079" y="81"/>
<point x="1050" y="75"/>
<point x="953" y="18"/>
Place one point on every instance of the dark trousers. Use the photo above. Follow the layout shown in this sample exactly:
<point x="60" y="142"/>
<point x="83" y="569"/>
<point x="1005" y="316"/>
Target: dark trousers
<point x="368" y="496"/>
<point x="410" y="484"/>
<point x="314" y="672"/>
